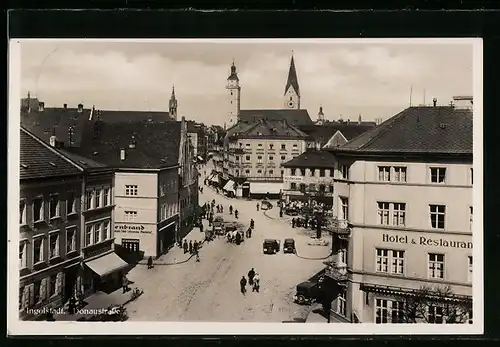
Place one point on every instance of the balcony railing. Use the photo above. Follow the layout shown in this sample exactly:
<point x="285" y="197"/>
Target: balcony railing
<point x="336" y="271"/>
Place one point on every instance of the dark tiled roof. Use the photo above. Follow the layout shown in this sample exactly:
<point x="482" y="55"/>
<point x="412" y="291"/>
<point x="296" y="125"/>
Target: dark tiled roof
<point x="323" y="133"/>
<point x="156" y="144"/>
<point x="438" y="130"/>
<point x="31" y="102"/>
<point x="293" y="117"/>
<point x="84" y="162"/>
<point x="133" y="116"/>
<point x="292" y="78"/>
<point x="59" y="120"/>
<point x="39" y="160"/>
<point x="312" y="159"/>
<point x="270" y="129"/>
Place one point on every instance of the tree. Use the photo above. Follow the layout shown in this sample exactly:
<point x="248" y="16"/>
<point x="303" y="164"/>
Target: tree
<point x="430" y="304"/>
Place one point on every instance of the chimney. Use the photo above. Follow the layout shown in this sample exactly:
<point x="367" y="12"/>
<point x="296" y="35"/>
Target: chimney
<point x="41" y="106"/>
<point x="434" y="101"/>
<point x="65" y="106"/>
<point x="132" y="142"/>
<point x="122" y="154"/>
<point x="53" y="141"/>
<point x="80" y="108"/>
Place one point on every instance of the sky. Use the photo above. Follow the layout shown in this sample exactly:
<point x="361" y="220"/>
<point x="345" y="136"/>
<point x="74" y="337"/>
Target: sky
<point x="346" y="79"/>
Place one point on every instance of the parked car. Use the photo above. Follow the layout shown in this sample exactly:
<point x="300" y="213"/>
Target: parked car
<point x="271" y="246"/>
<point x="289" y="246"/>
<point x="266" y="205"/>
<point x="307" y="293"/>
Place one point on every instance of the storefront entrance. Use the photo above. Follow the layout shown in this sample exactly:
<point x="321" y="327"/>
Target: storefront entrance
<point x="245" y="190"/>
<point x="132" y="245"/>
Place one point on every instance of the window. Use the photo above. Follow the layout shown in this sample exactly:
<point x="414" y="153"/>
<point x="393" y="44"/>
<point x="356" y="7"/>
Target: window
<point x="388" y="311"/>
<point x="38" y="209"/>
<point x="322" y="188"/>
<point x="313" y="172"/>
<point x="438" y="174"/>
<point x="71" y="203"/>
<point x="302" y="187"/>
<point x="302" y="172"/>
<point x="283" y="146"/>
<point x="70" y="239"/>
<point x="105" y="197"/>
<point x="97" y="232"/>
<point x="38" y="250"/>
<point x="282" y="172"/>
<point x="344" y="203"/>
<point x="312" y="187"/>
<point x="469" y="277"/>
<point x="97" y="198"/>
<point x="271" y="146"/>
<point x="271" y="172"/>
<point x="293" y="186"/>
<point x="342" y="303"/>
<point x="400" y="174"/>
<point x="247" y="145"/>
<point x="36" y="291"/>
<point x="22" y="212"/>
<point x="53" y="245"/>
<point x="237" y="158"/>
<point x="131" y="190"/>
<point x="130" y="216"/>
<point x="247" y="171"/>
<point x="52" y="286"/>
<point x="397" y="262"/>
<point x="384" y="173"/>
<point x="294" y="145"/>
<point x="436" y="265"/>
<point x="21" y="294"/>
<point x="247" y="158"/>
<point x="240" y="144"/>
<point x="321" y="172"/>
<point x="344" y="171"/>
<point x="259" y="171"/>
<point x="383" y="213"/>
<point x="237" y="172"/>
<point x="88" y="199"/>
<point x="382" y="260"/>
<point x="470" y="218"/>
<point x="435" y="315"/>
<point x="23" y="259"/>
<point x="332" y="173"/>
<point x="54" y="206"/>
<point x="271" y="158"/>
<point x="260" y="145"/>
<point x="437" y="214"/>
<point x="259" y="159"/>
<point x="105" y="228"/>
<point x="88" y="235"/>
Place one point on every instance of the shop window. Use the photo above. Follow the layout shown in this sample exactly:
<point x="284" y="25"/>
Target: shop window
<point x="342" y="304"/>
<point x="36" y="289"/>
<point x="388" y="311"/>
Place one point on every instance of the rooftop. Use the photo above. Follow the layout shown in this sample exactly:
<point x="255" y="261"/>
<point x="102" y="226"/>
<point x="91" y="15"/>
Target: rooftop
<point x="267" y="129"/>
<point x="39" y="160"/>
<point x="293" y="117"/>
<point x="323" y="133"/>
<point x="113" y="116"/>
<point x="147" y="145"/>
<point x="422" y="129"/>
<point x="312" y="159"/>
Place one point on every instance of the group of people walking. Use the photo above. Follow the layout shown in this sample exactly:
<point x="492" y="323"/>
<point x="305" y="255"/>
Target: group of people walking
<point x="253" y="282"/>
<point x="192" y="248"/>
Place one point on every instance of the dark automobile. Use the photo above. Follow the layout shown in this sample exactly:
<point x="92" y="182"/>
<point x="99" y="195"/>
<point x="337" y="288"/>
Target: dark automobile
<point x="266" y="205"/>
<point x="289" y="246"/>
<point x="307" y="293"/>
<point x="271" y="246"/>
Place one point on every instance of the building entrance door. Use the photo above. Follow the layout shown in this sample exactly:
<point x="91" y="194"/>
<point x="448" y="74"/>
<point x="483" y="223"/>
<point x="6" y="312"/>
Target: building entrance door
<point x="132" y="245"/>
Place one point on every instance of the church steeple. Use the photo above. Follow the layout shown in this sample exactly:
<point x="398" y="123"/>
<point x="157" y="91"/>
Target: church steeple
<point x="292" y="92"/>
<point x="172" y="105"/>
<point x="233" y="94"/>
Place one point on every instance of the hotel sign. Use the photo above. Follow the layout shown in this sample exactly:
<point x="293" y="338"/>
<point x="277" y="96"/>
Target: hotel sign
<point x="292" y="178"/>
<point x="426" y="241"/>
<point x="133" y="228"/>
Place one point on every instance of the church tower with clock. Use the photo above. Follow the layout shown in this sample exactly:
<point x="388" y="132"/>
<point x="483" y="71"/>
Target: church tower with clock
<point x="233" y="93"/>
<point x="292" y="92"/>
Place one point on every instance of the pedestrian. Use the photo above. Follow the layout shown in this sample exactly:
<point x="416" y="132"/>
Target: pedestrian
<point x="243" y="283"/>
<point x="236" y="214"/>
<point x="221" y="209"/>
<point x="150" y="263"/>
<point x="125" y="283"/>
<point x="258" y="206"/>
<point x="230" y="209"/>
<point x="202" y="190"/>
<point x="195" y="246"/>
<point x="185" y="246"/>
<point x="190" y="247"/>
<point x="251" y="275"/>
<point x="306" y="222"/>
<point x="252" y="223"/>
<point x="201" y="226"/>
<point x="197" y="256"/>
<point x="250" y="233"/>
<point x="293" y="222"/>
<point x="281" y="213"/>
<point x="256" y="283"/>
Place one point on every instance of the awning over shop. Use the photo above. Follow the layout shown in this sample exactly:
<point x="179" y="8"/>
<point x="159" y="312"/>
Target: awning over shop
<point x="107" y="264"/>
<point x="200" y="158"/>
<point x="214" y="178"/>
<point x="264" y="188"/>
<point x="229" y="186"/>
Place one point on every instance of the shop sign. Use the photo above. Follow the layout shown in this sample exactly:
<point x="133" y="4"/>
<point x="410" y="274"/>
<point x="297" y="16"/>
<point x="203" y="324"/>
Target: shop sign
<point x="292" y="178"/>
<point x="133" y="228"/>
<point x="426" y="241"/>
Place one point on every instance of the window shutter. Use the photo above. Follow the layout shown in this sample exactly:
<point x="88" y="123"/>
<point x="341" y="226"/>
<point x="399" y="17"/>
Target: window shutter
<point x="26" y="297"/>
<point x="59" y="282"/>
<point x="43" y="290"/>
<point x="31" y="295"/>
<point x="57" y="245"/>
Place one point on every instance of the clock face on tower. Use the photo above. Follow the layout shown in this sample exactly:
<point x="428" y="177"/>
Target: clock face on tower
<point x="291" y="104"/>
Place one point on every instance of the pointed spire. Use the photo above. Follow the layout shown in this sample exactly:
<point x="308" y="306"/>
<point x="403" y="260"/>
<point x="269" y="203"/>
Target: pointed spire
<point x="173" y="92"/>
<point x="292" y="78"/>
